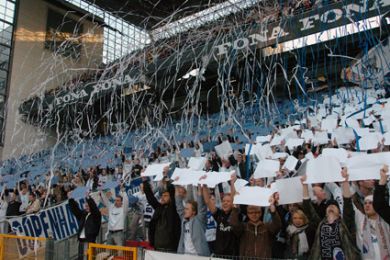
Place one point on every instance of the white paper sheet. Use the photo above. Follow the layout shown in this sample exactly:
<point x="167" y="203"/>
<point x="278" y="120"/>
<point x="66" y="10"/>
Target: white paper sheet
<point x="263" y="151"/>
<point x="343" y="135"/>
<point x="362" y="161"/>
<point x="368" y="142"/>
<point x="266" y="168"/>
<point x="224" y="149"/>
<point x="197" y="163"/>
<point x="352" y="122"/>
<point x="252" y="150"/>
<point x="256" y="196"/>
<point x="369" y="120"/>
<point x="263" y="139"/>
<point x="323" y="170"/>
<point x="329" y="124"/>
<point x="187" y="177"/>
<point x="362" y="131"/>
<point x="277" y="140"/>
<point x="309" y="156"/>
<point x="290" y="163"/>
<point x="239" y="184"/>
<point x="386" y="136"/>
<point x="321" y="138"/>
<point x="215" y="178"/>
<point x="307" y="135"/>
<point x="367" y="173"/>
<point x="294" y="142"/>
<point x="339" y="153"/>
<point x="154" y="169"/>
<point x="276" y="156"/>
<point x="290" y="190"/>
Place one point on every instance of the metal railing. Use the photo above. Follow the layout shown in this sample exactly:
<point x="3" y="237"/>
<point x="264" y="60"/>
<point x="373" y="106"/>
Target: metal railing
<point x="100" y="251"/>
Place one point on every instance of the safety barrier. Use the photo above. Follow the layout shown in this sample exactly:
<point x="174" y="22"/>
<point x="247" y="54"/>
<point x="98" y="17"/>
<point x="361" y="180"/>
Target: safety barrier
<point x="100" y="252"/>
<point x="21" y="247"/>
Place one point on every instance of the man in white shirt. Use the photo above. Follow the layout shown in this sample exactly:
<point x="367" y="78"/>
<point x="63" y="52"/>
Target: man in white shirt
<point x="117" y="213"/>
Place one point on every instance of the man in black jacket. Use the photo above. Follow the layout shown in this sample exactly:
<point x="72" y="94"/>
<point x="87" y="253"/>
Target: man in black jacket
<point x="89" y="223"/>
<point x="13" y="205"/>
<point x="164" y="228"/>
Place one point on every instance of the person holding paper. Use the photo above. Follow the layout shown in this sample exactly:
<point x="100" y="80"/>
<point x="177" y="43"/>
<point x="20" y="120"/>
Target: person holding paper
<point x="381" y="205"/>
<point x="164" y="227"/>
<point x="193" y="215"/>
<point x="89" y="221"/>
<point x="255" y="236"/>
<point x="226" y="242"/>
<point x="373" y="233"/>
<point x="241" y="166"/>
<point x="335" y="235"/>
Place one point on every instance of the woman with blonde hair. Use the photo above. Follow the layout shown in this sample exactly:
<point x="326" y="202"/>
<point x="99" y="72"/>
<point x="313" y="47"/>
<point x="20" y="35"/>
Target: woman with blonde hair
<point x="300" y="236"/>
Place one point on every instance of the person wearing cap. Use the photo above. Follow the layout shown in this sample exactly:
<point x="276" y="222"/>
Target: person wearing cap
<point x="380" y="204"/>
<point x="336" y="233"/>
<point x="164" y="227"/>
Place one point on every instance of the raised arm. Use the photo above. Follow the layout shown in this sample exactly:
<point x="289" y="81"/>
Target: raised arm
<point x="202" y="208"/>
<point x="238" y="227"/>
<point x="307" y="207"/>
<point x="93" y="207"/>
<point x="275" y="225"/>
<point x="125" y="199"/>
<point x="233" y="179"/>
<point x="380" y="204"/>
<point x="74" y="208"/>
<point x="150" y="196"/>
<point x="179" y="203"/>
<point x="207" y="201"/>
<point x="348" y="211"/>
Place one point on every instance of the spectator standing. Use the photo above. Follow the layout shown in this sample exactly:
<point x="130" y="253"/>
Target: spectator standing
<point x="193" y="215"/>
<point x="381" y="205"/>
<point x="117" y="214"/>
<point x="164" y="227"/>
<point x="89" y="221"/>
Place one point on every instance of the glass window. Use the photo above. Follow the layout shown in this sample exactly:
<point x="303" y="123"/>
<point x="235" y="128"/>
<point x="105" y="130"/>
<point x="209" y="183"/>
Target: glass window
<point x="3" y="82"/>
<point x="5" y="33"/>
<point x="4" y="57"/>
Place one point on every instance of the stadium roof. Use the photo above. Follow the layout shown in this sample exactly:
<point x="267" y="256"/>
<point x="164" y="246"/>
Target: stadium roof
<point x="153" y="13"/>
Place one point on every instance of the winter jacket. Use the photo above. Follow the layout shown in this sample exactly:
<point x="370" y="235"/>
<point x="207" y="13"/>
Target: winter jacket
<point x="255" y="240"/>
<point x="164" y="227"/>
<point x="347" y="230"/>
<point x="381" y="205"/>
<point x="91" y="224"/>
